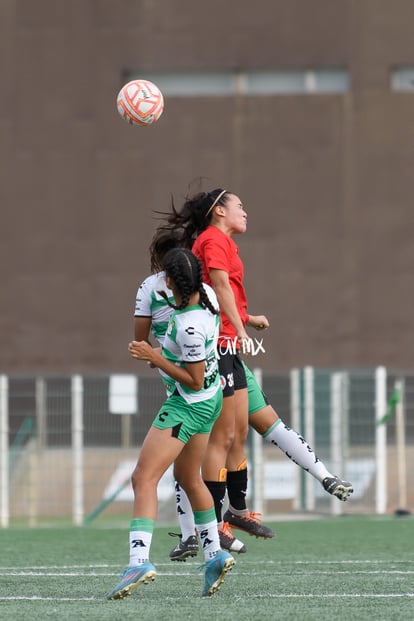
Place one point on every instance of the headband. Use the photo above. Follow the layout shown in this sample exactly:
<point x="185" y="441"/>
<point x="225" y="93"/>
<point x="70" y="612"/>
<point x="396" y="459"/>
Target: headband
<point x="215" y="202"/>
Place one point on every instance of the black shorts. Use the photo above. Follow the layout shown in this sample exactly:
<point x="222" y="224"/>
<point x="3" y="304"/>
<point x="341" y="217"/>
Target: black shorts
<point x="232" y="375"/>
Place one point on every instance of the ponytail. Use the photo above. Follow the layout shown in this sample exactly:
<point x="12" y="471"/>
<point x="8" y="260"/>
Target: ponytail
<point x="194" y="216"/>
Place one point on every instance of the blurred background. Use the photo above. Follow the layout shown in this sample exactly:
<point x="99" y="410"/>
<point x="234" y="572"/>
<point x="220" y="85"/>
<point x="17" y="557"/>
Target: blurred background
<point x="304" y="109"/>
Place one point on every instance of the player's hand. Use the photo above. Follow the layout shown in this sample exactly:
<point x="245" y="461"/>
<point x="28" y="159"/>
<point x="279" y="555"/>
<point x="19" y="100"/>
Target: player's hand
<point x="141" y="350"/>
<point x="258" y="322"/>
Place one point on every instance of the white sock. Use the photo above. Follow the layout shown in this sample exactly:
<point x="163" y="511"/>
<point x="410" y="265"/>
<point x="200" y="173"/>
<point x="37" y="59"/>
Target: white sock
<point x="297" y="449"/>
<point x="206" y="525"/>
<point x="184" y="512"/>
<point x="140" y="538"/>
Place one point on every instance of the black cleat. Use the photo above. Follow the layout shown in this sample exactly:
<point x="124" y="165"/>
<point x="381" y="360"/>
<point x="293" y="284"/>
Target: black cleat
<point x="337" y="487"/>
<point x="229" y="542"/>
<point x="184" y="549"/>
<point x="250" y="523"/>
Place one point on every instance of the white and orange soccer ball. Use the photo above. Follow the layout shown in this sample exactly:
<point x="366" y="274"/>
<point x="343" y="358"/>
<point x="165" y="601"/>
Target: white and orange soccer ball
<point x="140" y="102"/>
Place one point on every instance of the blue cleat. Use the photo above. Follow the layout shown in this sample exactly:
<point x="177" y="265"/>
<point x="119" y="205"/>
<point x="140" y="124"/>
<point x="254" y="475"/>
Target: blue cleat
<point x="215" y="572"/>
<point x="131" y="578"/>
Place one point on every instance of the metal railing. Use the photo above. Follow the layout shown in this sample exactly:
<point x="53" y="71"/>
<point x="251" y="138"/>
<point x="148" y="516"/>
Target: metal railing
<point x="68" y="444"/>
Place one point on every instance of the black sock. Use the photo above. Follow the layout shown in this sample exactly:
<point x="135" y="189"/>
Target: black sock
<point x="218" y="491"/>
<point x="237" y="488"/>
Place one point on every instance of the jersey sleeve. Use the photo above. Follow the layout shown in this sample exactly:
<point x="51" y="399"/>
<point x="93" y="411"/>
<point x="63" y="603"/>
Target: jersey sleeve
<point x="143" y="300"/>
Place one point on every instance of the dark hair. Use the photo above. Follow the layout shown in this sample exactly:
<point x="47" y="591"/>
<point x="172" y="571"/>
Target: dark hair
<point x="162" y="242"/>
<point x="193" y="217"/>
<point x="183" y="267"/>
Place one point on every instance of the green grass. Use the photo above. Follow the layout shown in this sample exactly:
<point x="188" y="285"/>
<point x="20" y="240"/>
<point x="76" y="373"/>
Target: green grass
<point x="352" y="568"/>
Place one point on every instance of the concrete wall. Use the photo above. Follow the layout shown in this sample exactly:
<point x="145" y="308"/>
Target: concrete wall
<point x="327" y="179"/>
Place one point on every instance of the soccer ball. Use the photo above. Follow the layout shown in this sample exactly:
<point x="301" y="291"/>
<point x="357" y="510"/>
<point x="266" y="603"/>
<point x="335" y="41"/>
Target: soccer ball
<point x="140" y="102"/>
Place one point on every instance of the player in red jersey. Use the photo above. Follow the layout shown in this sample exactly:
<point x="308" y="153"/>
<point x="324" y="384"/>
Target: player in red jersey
<point x="225" y="464"/>
<point x="207" y="222"/>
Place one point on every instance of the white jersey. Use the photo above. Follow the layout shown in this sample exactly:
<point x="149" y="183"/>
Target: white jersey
<point x="191" y="336"/>
<point x="149" y="303"/>
<point x="188" y="335"/>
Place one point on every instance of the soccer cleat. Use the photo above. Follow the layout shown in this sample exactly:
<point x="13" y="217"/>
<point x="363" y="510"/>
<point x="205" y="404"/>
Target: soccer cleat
<point x="250" y="523"/>
<point x="337" y="487"/>
<point x="184" y="549"/>
<point x="228" y="541"/>
<point x="131" y="578"/>
<point x="215" y="572"/>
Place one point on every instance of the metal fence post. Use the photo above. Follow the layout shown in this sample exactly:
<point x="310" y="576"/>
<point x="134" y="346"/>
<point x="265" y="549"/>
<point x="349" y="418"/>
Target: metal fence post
<point x="4" y="452"/>
<point x="77" y="449"/>
<point x="381" y="440"/>
<point x="402" y="509"/>
<point x="309" y="417"/>
<point x="295" y="404"/>
<point x="336" y="439"/>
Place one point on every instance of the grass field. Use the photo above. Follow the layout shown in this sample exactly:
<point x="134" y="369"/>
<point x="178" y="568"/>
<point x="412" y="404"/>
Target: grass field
<point x="352" y="568"/>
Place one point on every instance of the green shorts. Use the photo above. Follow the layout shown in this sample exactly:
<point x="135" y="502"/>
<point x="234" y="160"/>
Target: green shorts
<point x="256" y="396"/>
<point x="187" y="419"/>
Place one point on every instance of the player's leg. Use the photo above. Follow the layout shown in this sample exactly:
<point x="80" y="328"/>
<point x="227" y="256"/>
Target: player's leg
<point x="236" y="462"/>
<point x="238" y="515"/>
<point x="264" y="419"/>
<point x="221" y="438"/>
<point x="187" y="545"/>
<point x="188" y="473"/>
<point x="158" y="452"/>
<point x="214" y="475"/>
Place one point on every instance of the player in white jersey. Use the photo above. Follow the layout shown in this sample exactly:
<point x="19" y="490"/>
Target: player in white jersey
<point x="180" y="431"/>
<point x="152" y="314"/>
<point x="151" y="305"/>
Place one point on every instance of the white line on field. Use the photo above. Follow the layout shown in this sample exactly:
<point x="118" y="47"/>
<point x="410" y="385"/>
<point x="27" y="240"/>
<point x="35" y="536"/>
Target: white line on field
<point x="318" y="572"/>
<point x="35" y="598"/>
<point x="86" y="574"/>
<point x="284" y="564"/>
<point x="197" y="563"/>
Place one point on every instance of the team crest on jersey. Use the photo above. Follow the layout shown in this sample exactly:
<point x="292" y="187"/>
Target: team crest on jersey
<point x="171" y="327"/>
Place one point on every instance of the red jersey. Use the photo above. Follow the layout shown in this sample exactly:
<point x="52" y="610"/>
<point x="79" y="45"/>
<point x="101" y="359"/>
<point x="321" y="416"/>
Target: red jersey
<point x="216" y="250"/>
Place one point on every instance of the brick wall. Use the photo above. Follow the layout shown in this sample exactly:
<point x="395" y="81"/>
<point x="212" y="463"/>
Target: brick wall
<point x="327" y="180"/>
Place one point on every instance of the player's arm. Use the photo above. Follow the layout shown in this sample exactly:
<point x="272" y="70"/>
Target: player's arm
<point x="142" y="327"/>
<point x="191" y="376"/>
<point x="225" y="296"/>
